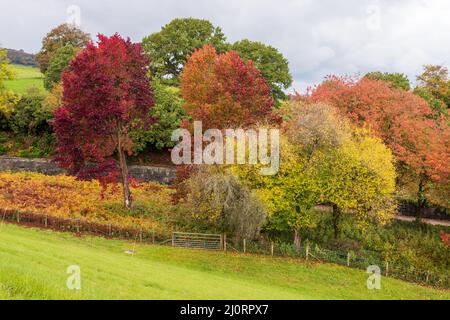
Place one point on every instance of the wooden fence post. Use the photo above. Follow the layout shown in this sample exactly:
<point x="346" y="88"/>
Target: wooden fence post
<point x="173" y="239"/>
<point x="271" y="248"/>
<point x="46" y="220"/>
<point x="225" y="242"/>
<point x="110" y="229"/>
<point x="348" y="259"/>
<point x="245" y="246"/>
<point x="18" y="217"/>
<point x="307" y="251"/>
<point x="387" y="268"/>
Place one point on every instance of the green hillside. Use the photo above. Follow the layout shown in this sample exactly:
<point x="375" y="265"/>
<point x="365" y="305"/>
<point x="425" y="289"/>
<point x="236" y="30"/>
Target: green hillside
<point x="33" y="265"/>
<point x="26" y="77"/>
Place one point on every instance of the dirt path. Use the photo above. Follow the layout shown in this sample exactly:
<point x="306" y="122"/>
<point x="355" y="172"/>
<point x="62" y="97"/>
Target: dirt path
<point x="428" y="221"/>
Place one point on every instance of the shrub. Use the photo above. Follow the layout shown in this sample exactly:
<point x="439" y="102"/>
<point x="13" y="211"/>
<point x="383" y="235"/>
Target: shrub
<point x="65" y="197"/>
<point x="3" y="149"/>
<point x="41" y="146"/>
<point x="29" y="116"/>
<point x="409" y="247"/>
<point x="219" y="201"/>
<point x="8" y="101"/>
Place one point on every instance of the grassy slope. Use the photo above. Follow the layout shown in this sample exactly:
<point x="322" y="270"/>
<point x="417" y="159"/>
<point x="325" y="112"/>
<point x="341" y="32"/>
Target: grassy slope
<point x="33" y="266"/>
<point x="26" y="77"/>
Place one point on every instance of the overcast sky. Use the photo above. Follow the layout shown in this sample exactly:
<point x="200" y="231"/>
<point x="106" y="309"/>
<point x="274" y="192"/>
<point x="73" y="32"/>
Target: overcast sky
<point x="318" y="37"/>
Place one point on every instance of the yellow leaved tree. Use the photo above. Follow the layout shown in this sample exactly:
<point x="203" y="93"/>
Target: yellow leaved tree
<point x="324" y="160"/>
<point x="7" y="98"/>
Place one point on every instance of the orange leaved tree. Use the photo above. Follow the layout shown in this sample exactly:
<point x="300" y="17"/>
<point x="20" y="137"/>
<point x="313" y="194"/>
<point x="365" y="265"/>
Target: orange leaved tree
<point x="223" y="91"/>
<point x="403" y="120"/>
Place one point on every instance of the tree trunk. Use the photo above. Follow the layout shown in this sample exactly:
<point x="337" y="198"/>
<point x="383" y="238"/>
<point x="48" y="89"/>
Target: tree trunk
<point x="297" y="240"/>
<point x="421" y="200"/>
<point x="336" y="220"/>
<point x="124" y="173"/>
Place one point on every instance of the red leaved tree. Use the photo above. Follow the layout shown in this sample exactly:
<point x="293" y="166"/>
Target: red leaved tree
<point x="224" y="92"/>
<point x="106" y="89"/>
<point x="402" y="119"/>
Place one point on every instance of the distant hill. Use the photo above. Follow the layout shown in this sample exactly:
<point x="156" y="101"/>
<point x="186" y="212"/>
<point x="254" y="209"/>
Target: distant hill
<point x="21" y="57"/>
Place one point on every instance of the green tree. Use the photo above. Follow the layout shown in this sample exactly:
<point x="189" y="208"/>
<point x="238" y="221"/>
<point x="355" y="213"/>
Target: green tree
<point x="169" y="48"/>
<point x="273" y="65"/>
<point x="436" y="104"/>
<point x="57" y="38"/>
<point x="396" y="80"/>
<point x="435" y="79"/>
<point x="60" y="61"/>
<point x="7" y="98"/>
<point x="168" y="112"/>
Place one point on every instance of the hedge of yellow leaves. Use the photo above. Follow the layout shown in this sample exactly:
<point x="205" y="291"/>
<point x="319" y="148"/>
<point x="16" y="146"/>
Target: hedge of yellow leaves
<point x="65" y="197"/>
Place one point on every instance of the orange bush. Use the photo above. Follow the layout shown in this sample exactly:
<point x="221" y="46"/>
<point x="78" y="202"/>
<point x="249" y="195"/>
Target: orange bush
<point x="65" y="197"/>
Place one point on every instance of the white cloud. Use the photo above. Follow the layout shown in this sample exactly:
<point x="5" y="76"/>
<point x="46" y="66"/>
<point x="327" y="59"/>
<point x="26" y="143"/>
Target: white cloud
<point x="318" y="37"/>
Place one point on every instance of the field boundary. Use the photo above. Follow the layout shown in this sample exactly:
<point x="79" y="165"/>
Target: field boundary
<point x="80" y="226"/>
<point x="160" y="174"/>
<point x="307" y="251"/>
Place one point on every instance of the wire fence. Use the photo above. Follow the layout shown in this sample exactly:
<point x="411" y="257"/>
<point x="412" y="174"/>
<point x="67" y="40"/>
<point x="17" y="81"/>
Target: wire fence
<point x="308" y="251"/>
<point x="108" y="230"/>
<point x="359" y="260"/>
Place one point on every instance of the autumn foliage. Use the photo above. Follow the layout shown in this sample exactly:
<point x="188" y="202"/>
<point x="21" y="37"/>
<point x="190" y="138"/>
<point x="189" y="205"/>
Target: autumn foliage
<point x="223" y="91"/>
<point x="68" y="198"/>
<point x="403" y="120"/>
<point x="445" y="238"/>
<point x="106" y="89"/>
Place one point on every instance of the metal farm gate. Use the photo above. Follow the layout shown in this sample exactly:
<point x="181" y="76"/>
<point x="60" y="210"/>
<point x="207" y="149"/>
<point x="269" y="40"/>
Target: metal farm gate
<point x="197" y="240"/>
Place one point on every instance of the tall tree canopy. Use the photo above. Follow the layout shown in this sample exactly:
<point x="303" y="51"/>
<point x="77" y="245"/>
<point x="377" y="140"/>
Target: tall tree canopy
<point x="169" y="48"/>
<point x="223" y="91"/>
<point x="396" y="80"/>
<point x="106" y="89"/>
<point x="403" y="120"/>
<point x="273" y="65"/>
<point x="57" y="38"/>
<point x="324" y="159"/>
<point x="439" y="107"/>
<point x="435" y="80"/>
<point x="289" y="195"/>
<point x="60" y="61"/>
<point x="354" y="171"/>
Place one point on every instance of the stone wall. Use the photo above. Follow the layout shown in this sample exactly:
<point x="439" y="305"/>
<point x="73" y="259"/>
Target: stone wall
<point x="163" y="175"/>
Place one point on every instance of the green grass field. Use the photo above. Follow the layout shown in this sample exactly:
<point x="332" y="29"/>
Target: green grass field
<point x="26" y="77"/>
<point x="33" y="265"/>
